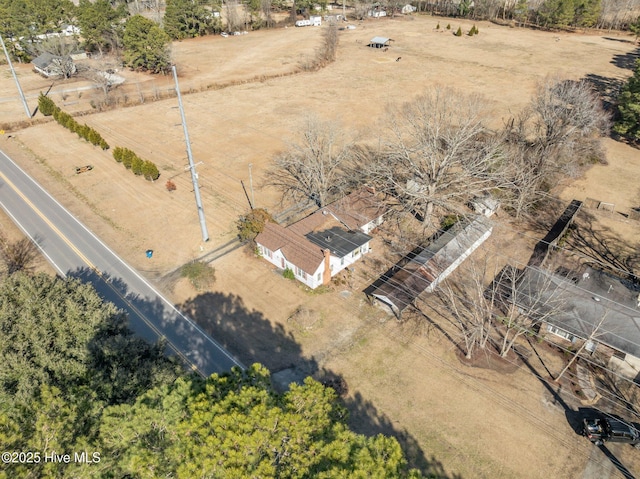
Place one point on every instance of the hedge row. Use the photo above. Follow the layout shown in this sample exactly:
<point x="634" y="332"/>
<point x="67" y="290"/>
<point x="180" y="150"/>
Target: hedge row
<point x="137" y="165"/>
<point x="48" y="108"/>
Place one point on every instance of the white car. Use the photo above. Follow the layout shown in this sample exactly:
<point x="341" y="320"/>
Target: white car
<point x="224" y="34"/>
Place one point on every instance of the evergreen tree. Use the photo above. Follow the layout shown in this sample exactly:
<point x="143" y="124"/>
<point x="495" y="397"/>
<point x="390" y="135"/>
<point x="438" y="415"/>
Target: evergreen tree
<point x="150" y="171"/>
<point x="188" y="19"/>
<point x="56" y="330"/>
<point x="458" y="32"/>
<point x="100" y="23"/>
<point x="251" y="224"/>
<point x="146" y="46"/>
<point x="46" y="105"/>
<point x="628" y="123"/>
<point x="635" y="28"/>
<point x="118" y="154"/>
<point x="66" y="355"/>
<point x="127" y="158"/>
<point x="236" y="426"/>
<point x="136" y="165"/>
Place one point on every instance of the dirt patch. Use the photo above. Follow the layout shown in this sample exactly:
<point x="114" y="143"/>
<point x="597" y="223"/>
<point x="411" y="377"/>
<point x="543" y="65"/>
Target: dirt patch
<point x="490" y="359"/>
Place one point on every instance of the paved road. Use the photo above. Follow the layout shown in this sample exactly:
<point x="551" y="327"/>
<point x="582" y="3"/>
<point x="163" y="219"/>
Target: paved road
<point x="74" y="251"/>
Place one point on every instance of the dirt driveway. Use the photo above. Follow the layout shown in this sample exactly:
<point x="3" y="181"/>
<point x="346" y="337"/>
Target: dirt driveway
<point x="245" y="98"/>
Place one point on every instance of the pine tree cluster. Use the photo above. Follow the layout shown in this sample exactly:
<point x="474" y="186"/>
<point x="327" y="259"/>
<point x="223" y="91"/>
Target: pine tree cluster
<point x="137" y="165"/>
<point x="48" y="108"/>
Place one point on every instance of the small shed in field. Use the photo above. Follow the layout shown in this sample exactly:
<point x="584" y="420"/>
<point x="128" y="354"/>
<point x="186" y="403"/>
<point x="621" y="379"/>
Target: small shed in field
<point x="379" y="42"/>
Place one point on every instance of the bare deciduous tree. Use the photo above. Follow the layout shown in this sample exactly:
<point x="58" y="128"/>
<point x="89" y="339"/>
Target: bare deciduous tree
<point x="525" y="301"/>
<point x="499" y="306"/>
<point x="329" y="43"/>
<point x="20" y="255"/>
<point x="567" y="116"/>
<point x="439" y="152"/>
<point x="558" y="135"/>
<point x="464" y="298"/>
<point x="314" y="167"/>
<point x="234" y="17"/>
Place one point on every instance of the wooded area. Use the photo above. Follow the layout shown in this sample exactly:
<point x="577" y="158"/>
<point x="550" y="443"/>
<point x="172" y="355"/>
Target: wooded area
<point x="75" y="379"/>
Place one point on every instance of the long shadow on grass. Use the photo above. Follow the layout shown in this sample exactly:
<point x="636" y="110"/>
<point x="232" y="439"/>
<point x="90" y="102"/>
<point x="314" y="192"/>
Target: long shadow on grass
<point x="609" y="89"/>
<point x="366" y="419"/>
<point x="252" y="338"/>
<point x="626" y="60"/>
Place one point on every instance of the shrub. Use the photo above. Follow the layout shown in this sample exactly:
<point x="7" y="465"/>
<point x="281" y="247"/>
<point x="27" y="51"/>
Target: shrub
<point x="83" y="131"/>
<point x="250" y="225"/>
<point x="288" y="273"/>
<point x="200" y="274"/>
<point x="127" y="158"/>
<point x="150" y="171"/>
<point x="170" y="185"/>
<point x="46" y="105"/>
<point x="118" y="154"/>
<point x="438" y="26"/>
<point x="136" y="165"/>
<point x="93" y="136"/>
<point x="448" y="26"/>
<point x="458" y="32"/>
<point x="103" y="144"/>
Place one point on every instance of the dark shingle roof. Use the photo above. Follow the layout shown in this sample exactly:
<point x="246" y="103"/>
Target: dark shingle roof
<point x="338" y="241"/>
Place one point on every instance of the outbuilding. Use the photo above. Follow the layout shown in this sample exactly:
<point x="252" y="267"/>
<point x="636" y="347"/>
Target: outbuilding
<point x="379" y="42"/>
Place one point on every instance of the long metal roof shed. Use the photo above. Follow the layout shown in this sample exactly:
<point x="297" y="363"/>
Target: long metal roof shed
<point x="423" y="271"/>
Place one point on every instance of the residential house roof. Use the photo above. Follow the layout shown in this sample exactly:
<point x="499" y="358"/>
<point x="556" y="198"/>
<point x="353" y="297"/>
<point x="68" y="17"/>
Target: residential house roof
<point x="592" y="303"/>
<point x="358" y="208"/>
<point x="43" y="60"/>
<point x="295" y="247"/>
<point x="352" y="211"/>
<point x="423" y="268"/>
<point x="338" y="241"/>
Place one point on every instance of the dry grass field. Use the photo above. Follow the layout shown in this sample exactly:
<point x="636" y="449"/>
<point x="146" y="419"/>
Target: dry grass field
<point x="244" y="99"/>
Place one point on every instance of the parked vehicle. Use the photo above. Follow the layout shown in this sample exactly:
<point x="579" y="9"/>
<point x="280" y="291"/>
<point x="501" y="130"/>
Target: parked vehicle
<point x="605" y="429"/>
<point x="83" y="169"/>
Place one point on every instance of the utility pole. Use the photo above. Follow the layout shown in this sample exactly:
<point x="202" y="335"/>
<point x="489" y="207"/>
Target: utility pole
<point x="192" y="166"/>
<point x="15" y="78"/>
<point x="253" y="201"/>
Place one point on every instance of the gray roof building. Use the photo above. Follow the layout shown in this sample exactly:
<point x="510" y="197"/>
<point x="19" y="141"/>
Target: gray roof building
<point x="423" y="270"/>
<point x="592" y="301"/>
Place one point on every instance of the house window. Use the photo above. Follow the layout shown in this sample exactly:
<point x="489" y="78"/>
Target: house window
<point x="342" y="261"/>
<point x="355" y="253"/>
<point x="266" y="252"/>
<point x="319" y="278"/>
<point x="561" y="333"/>
<point x="301" y="273"/>
<point x="619" y="354"/>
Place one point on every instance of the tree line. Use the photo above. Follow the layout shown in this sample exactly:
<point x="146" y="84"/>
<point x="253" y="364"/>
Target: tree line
<point x="48" y="108"/>
<point x="118" y="26"/>
<point x="75" y="379"/>
<point x="436" y="152"/>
